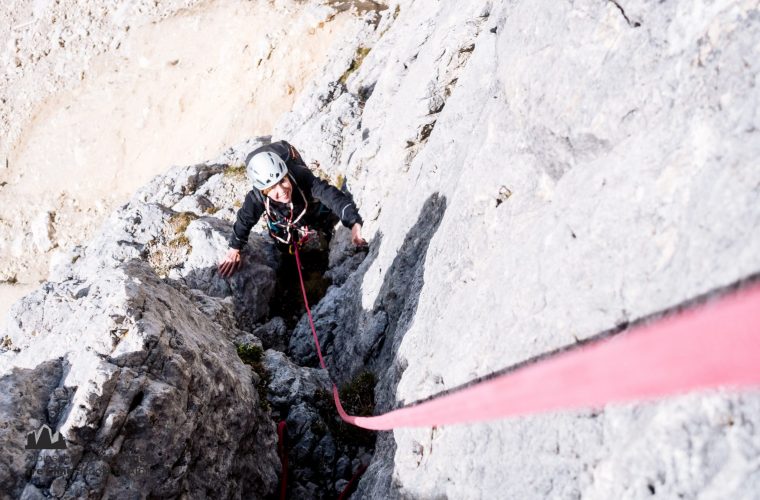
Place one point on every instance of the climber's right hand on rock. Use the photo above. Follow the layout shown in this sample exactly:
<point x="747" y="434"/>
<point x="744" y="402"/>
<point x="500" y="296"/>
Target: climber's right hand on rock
<point x="231" y="263"/>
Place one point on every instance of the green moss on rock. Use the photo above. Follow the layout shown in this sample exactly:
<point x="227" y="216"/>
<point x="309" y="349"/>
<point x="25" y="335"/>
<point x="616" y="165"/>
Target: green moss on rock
<point x="235" y="171"/>
<point x="253" y="355"/>
<point x="358" y="398"/>
<point x="361" y="53"/>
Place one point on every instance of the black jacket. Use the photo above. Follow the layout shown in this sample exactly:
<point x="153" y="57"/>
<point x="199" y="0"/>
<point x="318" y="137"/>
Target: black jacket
<point x="318" y="193"/>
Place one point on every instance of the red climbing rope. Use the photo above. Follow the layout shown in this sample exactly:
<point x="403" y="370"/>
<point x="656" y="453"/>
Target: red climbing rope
<point x="715" y="345"/>
<point x="281" y="437"/>
<point x="350" y="486"/>
<point x="306" y="303"/>
<point x="281" y="428"/>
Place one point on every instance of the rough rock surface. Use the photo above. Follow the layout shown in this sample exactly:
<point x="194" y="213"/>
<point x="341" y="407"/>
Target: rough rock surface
<point x="129" y="353"/>
<point x="323" y="453"/>
<point x="139" y="374"/>
<point x="591" y="163"/>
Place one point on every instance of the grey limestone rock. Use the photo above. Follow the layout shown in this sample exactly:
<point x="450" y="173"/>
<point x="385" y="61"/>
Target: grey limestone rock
<point x="344" y="257"/>
<point x="625" y="134"/>
<point x="273" y="334"/>
<point x="530" y="174"/>
<point x="139" y="372"/>
<point x="151" y="393"/>
<point x="292" y="383"/>
<point x="320" y="448"/>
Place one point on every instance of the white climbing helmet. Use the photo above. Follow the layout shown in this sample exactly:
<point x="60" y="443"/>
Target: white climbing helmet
<point x="266" y="169"/>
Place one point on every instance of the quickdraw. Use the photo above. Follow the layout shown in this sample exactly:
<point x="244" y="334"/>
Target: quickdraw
<point x="305" y="234"/>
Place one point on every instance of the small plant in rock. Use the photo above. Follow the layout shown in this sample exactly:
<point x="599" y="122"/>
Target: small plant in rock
<point x="235" y="172"/>
<point x="361" y="53"/>
<point x="340" y="181"/>
<point x="6" y="343"/>
<point x="172" y="248"/>
<point x="252" y="355"/>
<point x="181" y="220"/>
<point x="358" y="398"/>
<point x="180" y="241"/>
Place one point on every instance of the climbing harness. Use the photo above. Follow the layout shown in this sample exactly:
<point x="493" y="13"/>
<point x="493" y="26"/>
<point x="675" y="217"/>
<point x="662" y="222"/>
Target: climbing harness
<point x="277" y="227"/>
<point x="305" y="234"/>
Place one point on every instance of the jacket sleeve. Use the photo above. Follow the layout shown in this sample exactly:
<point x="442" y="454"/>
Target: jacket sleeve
<point x="248" y="215"/>
<point x="333" y="198"/>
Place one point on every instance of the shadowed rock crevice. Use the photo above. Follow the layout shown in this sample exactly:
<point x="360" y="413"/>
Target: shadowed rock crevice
<point x="398" y="297"/>
<point x="397" y="300"/>
<point x="323" y="452"/>
<point x="354" y="340"/>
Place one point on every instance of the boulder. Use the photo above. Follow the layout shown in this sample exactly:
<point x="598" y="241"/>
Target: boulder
<point x="148" y="392"/>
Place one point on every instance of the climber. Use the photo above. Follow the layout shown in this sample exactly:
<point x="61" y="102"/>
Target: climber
<point x="295" y="202"/>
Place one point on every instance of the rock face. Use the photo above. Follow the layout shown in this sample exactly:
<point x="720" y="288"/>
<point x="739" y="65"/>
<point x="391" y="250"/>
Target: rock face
<point x="591" y="163"/>
<point x="530" y="174"/>
<point x="140" y="374"/>
<point x="129" y="352"/>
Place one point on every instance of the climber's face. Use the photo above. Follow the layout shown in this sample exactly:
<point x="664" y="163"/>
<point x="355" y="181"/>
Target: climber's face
<point x="281" y="191"/>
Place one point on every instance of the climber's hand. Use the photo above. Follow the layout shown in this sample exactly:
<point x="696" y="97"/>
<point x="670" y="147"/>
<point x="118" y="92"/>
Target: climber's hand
<point x="231" y="263"/>
<point x="356" y="236"/>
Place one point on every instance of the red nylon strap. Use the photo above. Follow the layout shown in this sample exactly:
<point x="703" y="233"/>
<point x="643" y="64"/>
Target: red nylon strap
<point x="715" y="345"/>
